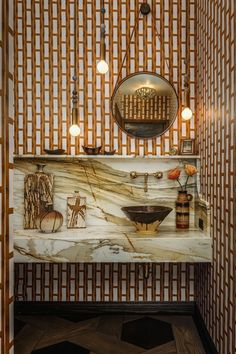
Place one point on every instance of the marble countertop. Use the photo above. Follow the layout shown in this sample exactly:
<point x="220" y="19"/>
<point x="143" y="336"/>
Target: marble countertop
<point x="52" y="157"/>
<point x="112" y="244"/>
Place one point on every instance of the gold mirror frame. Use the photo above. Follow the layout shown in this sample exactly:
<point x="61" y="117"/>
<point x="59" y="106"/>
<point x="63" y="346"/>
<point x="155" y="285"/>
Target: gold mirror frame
<point x="118" y="85"/>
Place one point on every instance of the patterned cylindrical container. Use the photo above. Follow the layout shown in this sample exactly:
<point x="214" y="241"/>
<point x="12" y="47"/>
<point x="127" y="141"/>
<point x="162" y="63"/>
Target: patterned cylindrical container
<point x="182" y="210"/>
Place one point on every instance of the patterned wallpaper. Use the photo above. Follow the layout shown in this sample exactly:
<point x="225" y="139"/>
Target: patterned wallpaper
<point x="44" y="66"/>
<point x="43" y="70"/>
<point x="6" y="165"/>
<point x="103" y="282"/>
<point x="43" y="116"/>
<point x="216" y="284"/>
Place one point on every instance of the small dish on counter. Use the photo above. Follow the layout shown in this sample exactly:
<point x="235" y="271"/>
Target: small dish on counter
<point x="112" y="152"/>
<point x="55" y="152"/>
<point x="92" y="150"/>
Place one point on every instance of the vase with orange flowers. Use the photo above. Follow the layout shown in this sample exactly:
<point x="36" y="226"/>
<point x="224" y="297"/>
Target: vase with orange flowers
<point x="183" y="199"/>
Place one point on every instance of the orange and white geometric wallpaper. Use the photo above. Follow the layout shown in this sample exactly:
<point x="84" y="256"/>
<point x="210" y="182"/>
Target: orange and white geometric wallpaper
<point x="121" y="282"/>
<point x="6" y="173"/>
<point x="44" y="66"/>
<point x="216" y="102"/>
<point x="201" y="32"/>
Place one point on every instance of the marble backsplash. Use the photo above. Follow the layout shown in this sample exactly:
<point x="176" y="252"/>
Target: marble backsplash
<point x="106" y="184"/>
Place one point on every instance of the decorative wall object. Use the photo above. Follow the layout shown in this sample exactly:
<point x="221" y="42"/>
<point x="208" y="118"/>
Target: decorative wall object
<point x="187" y="147"/>
<point x="76" y="211"/>
<point x="38" y="193"/>
<point x="43" y="88"/>
<point x="216" y="102"/>
<point x="49" y="220"/>
<point x="103" y="282"/>
<point x="6" y="177"/>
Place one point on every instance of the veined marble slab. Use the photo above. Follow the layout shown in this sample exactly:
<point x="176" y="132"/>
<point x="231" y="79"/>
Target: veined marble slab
<point x="107" y="186"/>
<point x="109" y="236"/>
<point x="112" y="244"/>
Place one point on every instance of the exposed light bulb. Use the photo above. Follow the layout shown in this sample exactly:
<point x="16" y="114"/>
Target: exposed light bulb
<point x="102" y="66"/>
<point x="186" y="113"/>
<point x="74" y="130"/>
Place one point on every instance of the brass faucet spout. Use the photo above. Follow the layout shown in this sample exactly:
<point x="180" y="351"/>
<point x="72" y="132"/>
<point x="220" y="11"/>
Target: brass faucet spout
<point x="146" y="182"/>
<point x="134" y="174"/>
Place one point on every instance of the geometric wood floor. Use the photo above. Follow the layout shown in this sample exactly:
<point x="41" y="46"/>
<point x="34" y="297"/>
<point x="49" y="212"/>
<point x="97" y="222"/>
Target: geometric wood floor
<point x="107" y="334"/>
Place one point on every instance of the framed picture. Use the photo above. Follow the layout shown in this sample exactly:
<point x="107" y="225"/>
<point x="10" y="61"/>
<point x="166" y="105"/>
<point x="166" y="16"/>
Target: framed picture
<point x="187" y="146"/>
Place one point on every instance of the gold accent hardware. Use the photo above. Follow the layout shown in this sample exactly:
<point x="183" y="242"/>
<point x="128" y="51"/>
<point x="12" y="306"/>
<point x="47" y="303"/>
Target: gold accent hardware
<point x="134" y="174"/>
<point x="146" y="270"/>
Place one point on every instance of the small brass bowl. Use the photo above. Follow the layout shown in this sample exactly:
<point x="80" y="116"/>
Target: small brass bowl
<point x="112" y="152"/>
<point x="55" y="152"/>
<point x="92" y="150"/>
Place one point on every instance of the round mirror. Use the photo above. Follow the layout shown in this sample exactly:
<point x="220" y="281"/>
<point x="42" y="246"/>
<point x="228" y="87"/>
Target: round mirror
<point x="144" y="105"/>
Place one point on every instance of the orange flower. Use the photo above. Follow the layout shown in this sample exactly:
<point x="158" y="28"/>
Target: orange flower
<point x="174" y="174"/>
<point x="190" y="170"/>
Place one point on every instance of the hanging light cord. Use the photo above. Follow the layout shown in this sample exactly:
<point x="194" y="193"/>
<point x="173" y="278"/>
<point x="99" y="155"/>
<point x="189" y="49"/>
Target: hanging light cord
<point x="187" y="60"/>
<point x="103" y="27"/>
<point x="74" y="92"/>
<point x="74" y="128"/>
<point x="130" y="39"/>
<point x="103" y="32"/>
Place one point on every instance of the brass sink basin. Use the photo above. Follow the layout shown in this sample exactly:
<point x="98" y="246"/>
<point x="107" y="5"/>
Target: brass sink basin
<point x="146" y="218"/>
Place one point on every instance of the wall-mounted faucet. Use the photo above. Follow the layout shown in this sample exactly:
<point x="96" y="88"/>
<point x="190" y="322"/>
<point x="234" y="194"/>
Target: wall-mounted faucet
<point x="134" y="174"/>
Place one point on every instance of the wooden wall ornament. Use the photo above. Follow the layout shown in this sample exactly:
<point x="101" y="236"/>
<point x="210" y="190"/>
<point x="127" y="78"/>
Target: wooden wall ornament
<point x="76" y="212"/>
<point x="38" y="192"/>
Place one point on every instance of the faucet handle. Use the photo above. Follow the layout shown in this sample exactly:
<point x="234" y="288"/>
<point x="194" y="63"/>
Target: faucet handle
<point x="133" y="174"/>
<point x="158" y="174"/>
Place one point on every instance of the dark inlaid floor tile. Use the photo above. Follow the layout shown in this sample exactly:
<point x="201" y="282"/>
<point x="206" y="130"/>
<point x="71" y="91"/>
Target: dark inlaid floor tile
<point x="62" y="348"/>
<point x="147" y="332"/>
<point x="77" y="317"/>
<point x="18" y="325"/>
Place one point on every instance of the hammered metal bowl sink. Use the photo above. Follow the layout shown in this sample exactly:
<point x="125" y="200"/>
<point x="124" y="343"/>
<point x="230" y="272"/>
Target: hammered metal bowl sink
<point x="146" y="218"/>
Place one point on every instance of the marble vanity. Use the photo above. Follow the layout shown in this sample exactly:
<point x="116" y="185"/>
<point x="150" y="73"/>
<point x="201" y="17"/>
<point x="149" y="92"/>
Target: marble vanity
<point x="109" y="235"/>
<point x="112" y="244"/>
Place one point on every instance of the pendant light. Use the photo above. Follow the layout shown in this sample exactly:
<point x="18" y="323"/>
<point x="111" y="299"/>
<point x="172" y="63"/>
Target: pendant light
<point x="187" y="112"/>
<point x="102" y="65"/>
<point x="74" y="129"/>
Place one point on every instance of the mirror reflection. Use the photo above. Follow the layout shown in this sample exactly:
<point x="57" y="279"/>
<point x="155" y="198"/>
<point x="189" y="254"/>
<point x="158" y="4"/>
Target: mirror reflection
<point x="144" y="105"/>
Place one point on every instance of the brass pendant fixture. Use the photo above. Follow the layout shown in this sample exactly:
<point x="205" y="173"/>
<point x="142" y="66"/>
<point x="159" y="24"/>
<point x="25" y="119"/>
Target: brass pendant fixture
<point x="102" y="65"/>
<point x="186" y="111"/>
<point x="74" y="129"/>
